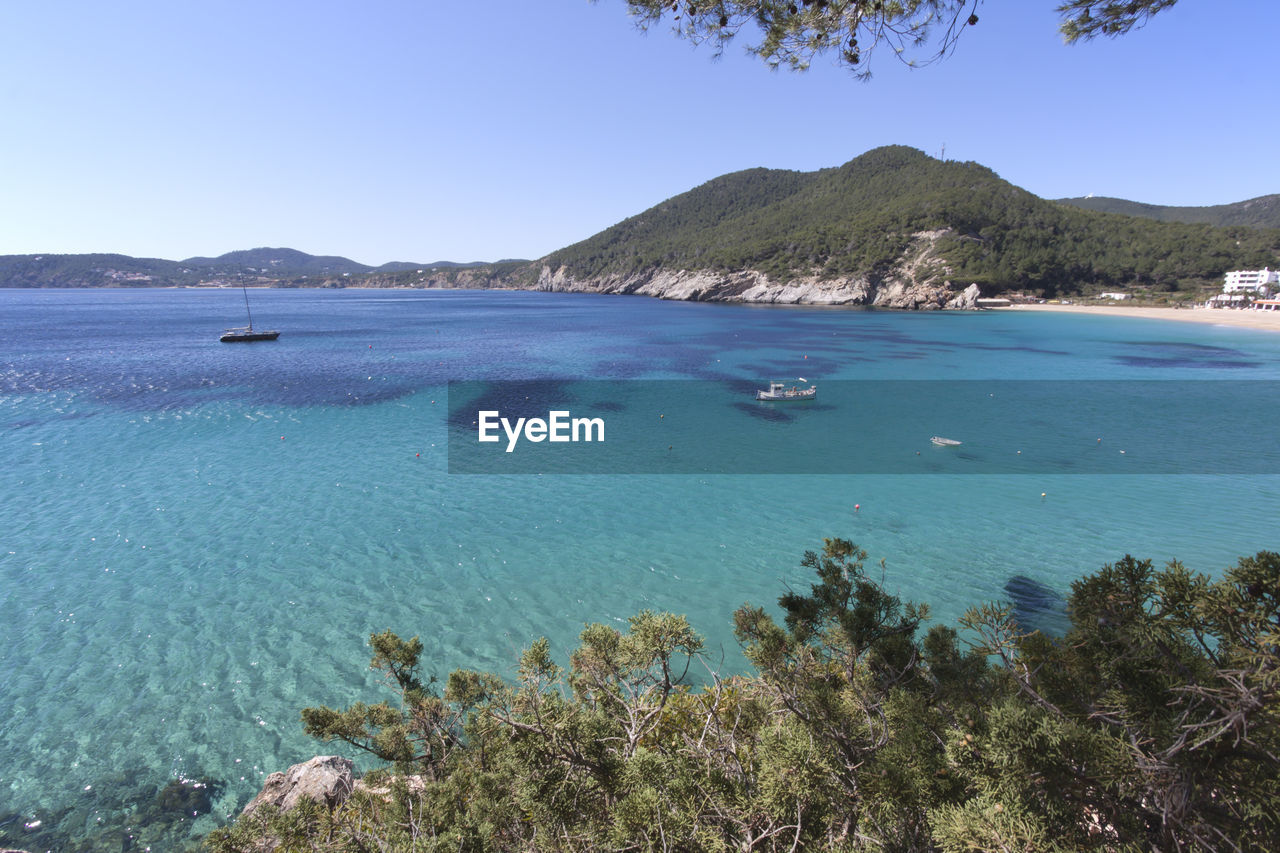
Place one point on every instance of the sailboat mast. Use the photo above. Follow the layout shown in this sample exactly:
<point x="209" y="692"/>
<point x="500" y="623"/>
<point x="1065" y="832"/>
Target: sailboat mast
<point x="246" y="305"/>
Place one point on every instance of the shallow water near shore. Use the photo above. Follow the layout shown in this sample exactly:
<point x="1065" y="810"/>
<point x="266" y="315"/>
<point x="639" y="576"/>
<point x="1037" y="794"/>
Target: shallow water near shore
<point x="196" y="539"/>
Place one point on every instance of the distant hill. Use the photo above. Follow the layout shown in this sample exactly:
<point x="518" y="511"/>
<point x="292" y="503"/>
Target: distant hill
<point x="892" y="227"/>
<point x="888" y="221"/>
<point x="285" y="261"/>
<point x="279" y="267"/>
<point x="93" y="270"/>
<point x="1260" y="212"/>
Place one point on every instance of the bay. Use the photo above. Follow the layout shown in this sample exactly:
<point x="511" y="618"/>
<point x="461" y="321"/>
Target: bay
<point x="196" y="539"/>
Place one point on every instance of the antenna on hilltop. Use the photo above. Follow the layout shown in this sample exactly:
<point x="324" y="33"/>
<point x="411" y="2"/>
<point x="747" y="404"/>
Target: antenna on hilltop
<point x="943" y="154"/>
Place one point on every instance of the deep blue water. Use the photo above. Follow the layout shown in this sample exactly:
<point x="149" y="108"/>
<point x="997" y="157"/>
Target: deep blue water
<point x="196" y="539"/>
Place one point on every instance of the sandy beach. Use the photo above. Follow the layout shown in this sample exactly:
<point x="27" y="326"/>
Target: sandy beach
<point x="1268" y="320"/>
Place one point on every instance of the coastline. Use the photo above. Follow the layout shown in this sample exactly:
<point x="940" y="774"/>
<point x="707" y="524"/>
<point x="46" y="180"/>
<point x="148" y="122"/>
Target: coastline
<point x="1238" y="318"/>
<point x="1265" y="320"/>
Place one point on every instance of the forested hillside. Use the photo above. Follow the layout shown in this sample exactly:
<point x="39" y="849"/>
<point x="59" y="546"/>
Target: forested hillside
<point x="867" y="232"/>
<point x="277" y="267"/>
<point x="860" y="219"/>
<point x="1261" y="212"/>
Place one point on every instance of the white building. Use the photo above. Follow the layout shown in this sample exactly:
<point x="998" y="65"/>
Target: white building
<point x="1228" y="300"/>
<point x="1253" y="281"/>
<point x="1114" y="295"/>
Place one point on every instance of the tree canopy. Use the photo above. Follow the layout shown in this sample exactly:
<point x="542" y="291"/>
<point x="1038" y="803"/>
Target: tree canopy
<point x="918" y="32"/>
<point x="1152" y="723"/>
<point x="861" y="220"/>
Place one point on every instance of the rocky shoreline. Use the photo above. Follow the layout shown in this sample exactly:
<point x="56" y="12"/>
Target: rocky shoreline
<point x="166" y="823"/>
<point x="905" y="290"/>
<point x="749" y="286"/>
<point x="326" y="779"/>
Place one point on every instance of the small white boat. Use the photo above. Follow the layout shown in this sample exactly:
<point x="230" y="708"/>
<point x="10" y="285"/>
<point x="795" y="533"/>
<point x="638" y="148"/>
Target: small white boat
<point x="780" y="392"/>
<point x="945" y="442"/>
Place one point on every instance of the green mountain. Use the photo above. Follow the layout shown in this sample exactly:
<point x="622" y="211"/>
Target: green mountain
<point x="276" y="267"/>
<point x="893" y="227"/>
<point x="893" y="220"/>
<point x="93" y="270"/>
<point x="284" y="261"/>
<point x="280" y="267"/>
<point x="1261" y="212"/>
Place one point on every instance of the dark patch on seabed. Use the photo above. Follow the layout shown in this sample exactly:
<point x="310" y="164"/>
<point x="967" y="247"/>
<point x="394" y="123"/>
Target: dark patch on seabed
<point x="780" y="411"/>
<point x="742" y="387"/>
<point x="525" y="399"/>
<point x="1015" y="348"/>
<point x="1145" y="361"/>
<point x="164" y="387"/>
<point x="775" y="370"/>
<point x="127" y="811"/>
<point x="1184" y="346"/>
<point x="1037" y="606"/>
<point x="764" y="412"/>
<point x="1181" y="354"/>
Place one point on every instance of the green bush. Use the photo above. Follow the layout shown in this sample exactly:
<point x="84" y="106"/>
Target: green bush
<point x="1152" y="724"/>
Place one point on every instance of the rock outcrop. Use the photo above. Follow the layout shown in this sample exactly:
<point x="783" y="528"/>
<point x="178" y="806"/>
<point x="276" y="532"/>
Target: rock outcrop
<point x="966" y="300"/>
<point x="757" y="287"/>
<point x="327" y="779"/>
<point x="918" y="281"/>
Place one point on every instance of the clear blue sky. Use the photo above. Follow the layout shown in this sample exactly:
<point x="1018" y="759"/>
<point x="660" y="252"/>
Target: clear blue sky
<point x="423" y="130"/>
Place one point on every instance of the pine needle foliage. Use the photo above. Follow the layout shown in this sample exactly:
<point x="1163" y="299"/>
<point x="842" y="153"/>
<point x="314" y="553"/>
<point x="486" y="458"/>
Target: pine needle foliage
<point x="1152" y="724"/>
<point x="792" y="33"/>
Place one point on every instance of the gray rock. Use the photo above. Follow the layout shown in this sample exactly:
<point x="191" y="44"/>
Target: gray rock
<point x="327" y="779"/>
<point x="917" y="282"/>
<point x="967" y="299"/>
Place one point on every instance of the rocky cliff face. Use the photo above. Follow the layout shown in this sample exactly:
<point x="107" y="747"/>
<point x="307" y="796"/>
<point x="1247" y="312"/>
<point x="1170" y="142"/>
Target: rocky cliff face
<point x="919" y="281"/>
<point x="750" y="286"/>
<point x="896" y="291"/>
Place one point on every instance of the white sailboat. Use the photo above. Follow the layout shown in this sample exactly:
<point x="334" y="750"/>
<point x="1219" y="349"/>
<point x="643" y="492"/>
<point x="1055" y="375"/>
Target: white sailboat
<point x="246" y="334"/>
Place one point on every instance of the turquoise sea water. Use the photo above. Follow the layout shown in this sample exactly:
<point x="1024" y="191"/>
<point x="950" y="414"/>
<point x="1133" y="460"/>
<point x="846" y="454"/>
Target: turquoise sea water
<point x="196" y="539"/>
